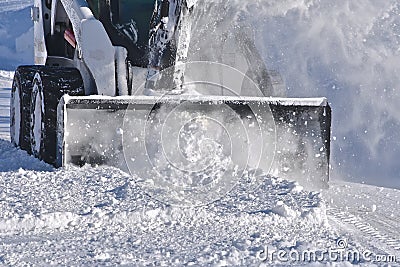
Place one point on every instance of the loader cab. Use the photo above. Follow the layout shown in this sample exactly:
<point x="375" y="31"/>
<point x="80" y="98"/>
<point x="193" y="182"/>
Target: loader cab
<point x="56" y="24"/>
<point x="127" y="23"/>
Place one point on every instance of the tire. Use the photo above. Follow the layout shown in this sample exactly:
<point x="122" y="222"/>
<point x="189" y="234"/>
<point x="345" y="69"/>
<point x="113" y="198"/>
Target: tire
<point x="37" y="120"/>
<point x="48" y="86"/>
<point x="20" y="106"/>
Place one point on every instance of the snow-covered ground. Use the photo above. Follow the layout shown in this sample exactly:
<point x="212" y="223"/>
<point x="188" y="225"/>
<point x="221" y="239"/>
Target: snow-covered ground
<point x="91" y="216"/>
<point x="100" y="216"/>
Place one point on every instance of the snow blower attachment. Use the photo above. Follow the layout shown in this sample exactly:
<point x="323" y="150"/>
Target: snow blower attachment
<point x="160" y="101"/>
<point x="289" y="137"/>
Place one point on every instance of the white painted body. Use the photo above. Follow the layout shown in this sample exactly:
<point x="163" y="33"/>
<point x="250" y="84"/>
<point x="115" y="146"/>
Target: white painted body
<point x="40" y="50"/>
<point x="94" y="51"/>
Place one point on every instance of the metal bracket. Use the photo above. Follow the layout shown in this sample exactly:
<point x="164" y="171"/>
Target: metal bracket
<point x="35" y="13"/>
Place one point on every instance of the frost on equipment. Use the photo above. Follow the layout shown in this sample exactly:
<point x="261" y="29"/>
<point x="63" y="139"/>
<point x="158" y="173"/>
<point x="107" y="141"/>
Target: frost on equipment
<point x="145" y="83"/>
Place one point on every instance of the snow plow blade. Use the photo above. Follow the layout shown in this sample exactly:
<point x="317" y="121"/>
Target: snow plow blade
<point x="288" y="137"/>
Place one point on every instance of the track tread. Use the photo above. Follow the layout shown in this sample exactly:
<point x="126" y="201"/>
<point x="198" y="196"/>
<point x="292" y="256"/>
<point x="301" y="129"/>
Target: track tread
<point x="364" y="227"/>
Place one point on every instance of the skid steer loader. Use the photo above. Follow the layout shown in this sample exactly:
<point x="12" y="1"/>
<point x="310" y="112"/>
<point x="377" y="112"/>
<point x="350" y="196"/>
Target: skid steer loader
<point x="136" y="84"/>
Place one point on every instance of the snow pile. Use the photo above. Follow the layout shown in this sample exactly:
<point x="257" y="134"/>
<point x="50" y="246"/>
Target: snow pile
<point x="80" y="216"/>
<point x="13" y="5"/>
<point x="24" y="44"/>
<point x="16" y="34"/>
<point x="14" y="159"/>
<point x="6" y="79"/>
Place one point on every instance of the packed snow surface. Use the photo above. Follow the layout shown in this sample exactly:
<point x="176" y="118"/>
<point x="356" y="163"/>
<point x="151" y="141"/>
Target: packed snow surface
<point x="90" y="216"/>
<point x="99" y="215"/>
<point x="94" y="216"/>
